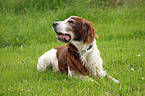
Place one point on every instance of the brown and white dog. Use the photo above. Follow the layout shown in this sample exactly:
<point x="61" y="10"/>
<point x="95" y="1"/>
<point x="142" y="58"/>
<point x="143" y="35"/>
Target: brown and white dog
<point x="80" y="57"/>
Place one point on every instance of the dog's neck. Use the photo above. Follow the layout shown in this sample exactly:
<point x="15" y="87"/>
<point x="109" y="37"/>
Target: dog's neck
<point x="82" y="47"/>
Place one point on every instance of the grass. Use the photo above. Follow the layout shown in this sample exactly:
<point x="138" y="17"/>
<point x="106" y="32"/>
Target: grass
<point x="26" y="35"/>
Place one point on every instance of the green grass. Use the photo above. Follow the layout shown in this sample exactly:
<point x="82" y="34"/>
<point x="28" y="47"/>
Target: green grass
<point x="26" y="35"/>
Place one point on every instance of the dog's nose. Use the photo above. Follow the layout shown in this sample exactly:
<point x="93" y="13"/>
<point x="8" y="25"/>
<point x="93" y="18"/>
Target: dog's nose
<point x="54" y="24"/>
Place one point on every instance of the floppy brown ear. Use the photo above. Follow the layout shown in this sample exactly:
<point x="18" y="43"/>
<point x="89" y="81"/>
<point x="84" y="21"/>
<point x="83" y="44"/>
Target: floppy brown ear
<point x="88" y="32"/>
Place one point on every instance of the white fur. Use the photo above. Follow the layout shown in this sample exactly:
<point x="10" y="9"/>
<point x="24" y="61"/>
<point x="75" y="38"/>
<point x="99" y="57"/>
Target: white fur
<point x="62" y="26"/>
<point x="69" y="72"/>
<point x="48" y="59"/>
<point x="91" y="58"/>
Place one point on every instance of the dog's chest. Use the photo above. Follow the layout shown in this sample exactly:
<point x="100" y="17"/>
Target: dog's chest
<point x="84" y="58"/>
<point x="70" y="57"/>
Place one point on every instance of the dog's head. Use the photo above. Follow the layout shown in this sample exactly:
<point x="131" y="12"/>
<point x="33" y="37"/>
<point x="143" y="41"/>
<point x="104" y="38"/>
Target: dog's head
<point x="74" y="29"/>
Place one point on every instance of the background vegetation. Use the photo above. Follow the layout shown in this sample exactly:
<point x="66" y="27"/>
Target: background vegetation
<point x="26" y="33"/>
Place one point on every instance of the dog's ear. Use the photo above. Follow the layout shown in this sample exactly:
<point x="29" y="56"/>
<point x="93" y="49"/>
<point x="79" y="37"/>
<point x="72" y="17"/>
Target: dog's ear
<point x="88" y="32"/>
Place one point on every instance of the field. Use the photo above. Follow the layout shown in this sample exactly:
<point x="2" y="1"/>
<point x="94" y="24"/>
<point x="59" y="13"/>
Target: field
<point x="26" y="33"/>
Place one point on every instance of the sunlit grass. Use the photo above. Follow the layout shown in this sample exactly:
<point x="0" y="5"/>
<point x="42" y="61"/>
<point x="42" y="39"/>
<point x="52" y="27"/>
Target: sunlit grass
<point x="24" y="37"/>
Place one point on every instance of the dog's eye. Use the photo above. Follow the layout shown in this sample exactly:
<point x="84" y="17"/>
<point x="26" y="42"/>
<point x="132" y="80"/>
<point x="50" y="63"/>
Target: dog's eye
<point x="70" y="21"/>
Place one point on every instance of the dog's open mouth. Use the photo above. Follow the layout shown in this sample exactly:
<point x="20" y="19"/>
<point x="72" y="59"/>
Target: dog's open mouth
<point x="64" y="37"/>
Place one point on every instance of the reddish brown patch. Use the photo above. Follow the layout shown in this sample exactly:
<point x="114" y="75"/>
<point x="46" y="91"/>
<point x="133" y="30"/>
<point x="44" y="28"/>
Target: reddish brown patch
<point x="68" y="56"/>
<point x="83" y="30"/>
<point x="62" y="58"/>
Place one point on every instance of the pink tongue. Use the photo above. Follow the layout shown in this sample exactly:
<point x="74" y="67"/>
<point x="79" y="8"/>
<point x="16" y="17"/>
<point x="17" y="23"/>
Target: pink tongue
<point x="64" y="37"/>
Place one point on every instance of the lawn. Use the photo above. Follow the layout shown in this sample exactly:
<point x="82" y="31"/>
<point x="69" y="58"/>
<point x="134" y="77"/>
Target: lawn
<point x="26" y="33"/>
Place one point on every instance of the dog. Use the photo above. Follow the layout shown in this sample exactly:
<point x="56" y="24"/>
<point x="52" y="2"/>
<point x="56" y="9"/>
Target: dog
<point x="80" y="57"/>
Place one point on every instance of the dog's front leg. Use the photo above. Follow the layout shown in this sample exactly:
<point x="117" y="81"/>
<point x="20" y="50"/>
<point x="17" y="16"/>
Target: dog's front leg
<point x="82" y="77"/>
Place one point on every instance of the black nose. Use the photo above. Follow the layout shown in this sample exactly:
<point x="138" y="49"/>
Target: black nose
<point x="54" y="24"/>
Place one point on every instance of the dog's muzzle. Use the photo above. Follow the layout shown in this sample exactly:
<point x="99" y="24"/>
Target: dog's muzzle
<point x="61" y="37"/>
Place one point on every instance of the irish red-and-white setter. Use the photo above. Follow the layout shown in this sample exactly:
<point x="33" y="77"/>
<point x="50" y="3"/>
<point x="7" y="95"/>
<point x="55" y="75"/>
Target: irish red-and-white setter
<point x="80" y="57"/>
